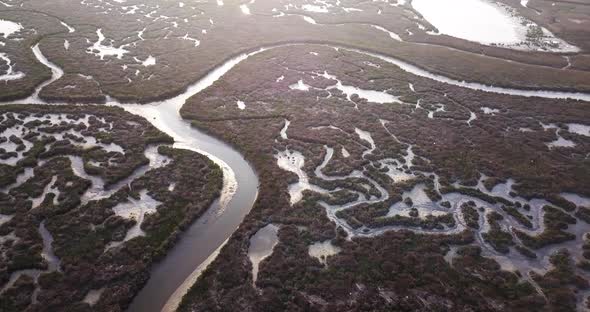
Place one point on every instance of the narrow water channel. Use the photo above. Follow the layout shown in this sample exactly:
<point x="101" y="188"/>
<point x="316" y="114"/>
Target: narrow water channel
<point x="168" y="279"/>
<point x="214" y="227"/>
<point x="171" y="278"/>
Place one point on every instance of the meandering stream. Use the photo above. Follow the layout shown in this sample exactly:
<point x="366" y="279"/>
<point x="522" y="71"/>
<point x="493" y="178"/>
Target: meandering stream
<point x="199" y="245"/>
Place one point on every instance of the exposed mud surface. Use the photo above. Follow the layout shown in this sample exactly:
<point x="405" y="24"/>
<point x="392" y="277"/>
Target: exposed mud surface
<point x="482" y="174"/>
<point x="86" y="205"/>
<point x="408" y="160"/>
<point x="138" y="51"/>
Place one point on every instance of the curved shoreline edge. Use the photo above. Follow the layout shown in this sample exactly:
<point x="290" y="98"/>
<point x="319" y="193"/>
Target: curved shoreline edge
<point x="240" y="179"/>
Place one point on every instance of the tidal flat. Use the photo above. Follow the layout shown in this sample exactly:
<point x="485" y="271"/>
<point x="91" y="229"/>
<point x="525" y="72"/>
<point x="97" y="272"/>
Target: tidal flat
<point x="294" y="155"/>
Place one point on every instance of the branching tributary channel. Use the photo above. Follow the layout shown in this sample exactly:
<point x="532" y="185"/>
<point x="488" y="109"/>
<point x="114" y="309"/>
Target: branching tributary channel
<point x="200" y="244"/>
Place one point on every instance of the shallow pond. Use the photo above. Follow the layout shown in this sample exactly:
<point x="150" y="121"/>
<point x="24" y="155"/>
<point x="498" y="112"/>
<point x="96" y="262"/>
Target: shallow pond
<point x="472" y="20"/>
<point x="489" y="23"/>
<point x="8" y="28"/>
<point x="135" y="209"/>
<point x="261" y="246"/>
<point x="323" y="250"/>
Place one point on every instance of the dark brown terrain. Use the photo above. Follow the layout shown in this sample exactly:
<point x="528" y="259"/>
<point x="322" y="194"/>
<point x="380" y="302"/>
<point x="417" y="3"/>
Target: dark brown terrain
<point x="394" y="185"/>
<point x="60" y="231"/>
<point x="452" y="153"/>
